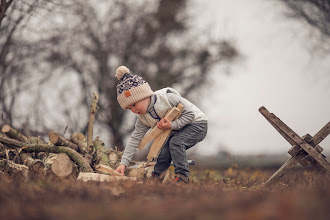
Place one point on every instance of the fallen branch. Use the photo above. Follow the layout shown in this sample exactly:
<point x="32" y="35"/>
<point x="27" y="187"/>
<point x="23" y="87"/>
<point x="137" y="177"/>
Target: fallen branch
<point x="93" y="110"/>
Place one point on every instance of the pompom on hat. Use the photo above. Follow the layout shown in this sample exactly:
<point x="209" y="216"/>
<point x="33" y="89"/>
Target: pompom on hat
<point x="131" y="88"/>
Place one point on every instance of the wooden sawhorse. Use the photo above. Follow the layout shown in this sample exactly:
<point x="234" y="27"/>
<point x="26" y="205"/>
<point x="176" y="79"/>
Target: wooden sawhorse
<point x="305" y="150"/>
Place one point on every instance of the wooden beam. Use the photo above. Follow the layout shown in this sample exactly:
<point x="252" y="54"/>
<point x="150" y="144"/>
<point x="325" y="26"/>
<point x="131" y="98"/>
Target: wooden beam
<point x="285" y="168"/>
<point x="323" y="133"/>
<point x="107" y="169"/>
<point x="156" y="131"/>
<point x="293" y="138"/>
<point x="158" y="144"/>
<point x="269" y="117"/>
<point x="160" y="140"/>
<point x="84" y="176"/>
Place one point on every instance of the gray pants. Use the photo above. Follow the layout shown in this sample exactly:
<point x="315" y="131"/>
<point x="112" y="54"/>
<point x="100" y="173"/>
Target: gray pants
<point x="176" y="146"/>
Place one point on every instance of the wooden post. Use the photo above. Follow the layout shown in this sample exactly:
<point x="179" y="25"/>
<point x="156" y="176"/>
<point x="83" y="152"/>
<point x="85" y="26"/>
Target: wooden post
<point x="305" y="150"/>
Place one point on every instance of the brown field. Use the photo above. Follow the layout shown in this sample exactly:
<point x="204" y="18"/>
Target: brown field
<point x="212" y="194"/>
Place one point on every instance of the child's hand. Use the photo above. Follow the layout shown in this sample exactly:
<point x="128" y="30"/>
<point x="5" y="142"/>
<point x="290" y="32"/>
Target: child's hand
<point x="121" y="169"/>
<point x="164" y="124"/>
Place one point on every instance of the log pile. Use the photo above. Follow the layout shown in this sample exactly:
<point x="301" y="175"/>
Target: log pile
<point x="77" y="155"/>
<point x="61" y="157"/>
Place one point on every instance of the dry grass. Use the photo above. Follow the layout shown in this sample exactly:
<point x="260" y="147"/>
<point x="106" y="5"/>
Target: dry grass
<point x="212" y="194"/>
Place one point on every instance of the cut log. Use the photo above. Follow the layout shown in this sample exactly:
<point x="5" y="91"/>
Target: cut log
<point x="34" y="164"/>
<point x="100" y="156"/>
<point x="107" y="169"/>
<point x="13" y="133"/>
<point x="60" y="141"/>
<point x="93" y="110"/>
<point x="84" y="176"/>
<point x="62" y="166"/>
<point x="113" y="158"/>
<point x="74" y="155"/>
<point x="80" y="140"/>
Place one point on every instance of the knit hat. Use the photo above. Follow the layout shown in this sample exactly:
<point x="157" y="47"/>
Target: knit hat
<point x="131" y="88"/>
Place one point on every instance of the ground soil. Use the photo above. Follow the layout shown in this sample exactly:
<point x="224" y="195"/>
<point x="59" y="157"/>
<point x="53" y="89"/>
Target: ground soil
<point x="231" y="193"/>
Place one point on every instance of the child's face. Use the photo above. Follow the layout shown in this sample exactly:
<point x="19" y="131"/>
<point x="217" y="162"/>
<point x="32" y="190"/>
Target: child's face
<point x="140" y="107"/>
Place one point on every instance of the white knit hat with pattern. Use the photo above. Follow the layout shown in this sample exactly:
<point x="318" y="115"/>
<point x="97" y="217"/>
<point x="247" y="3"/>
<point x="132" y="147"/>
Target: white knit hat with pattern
<point x="131" y="88"/>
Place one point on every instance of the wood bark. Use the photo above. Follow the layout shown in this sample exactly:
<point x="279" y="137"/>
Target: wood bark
<point x="100" y="156"/>
<point x="11" y="142"/>
<point x="13" y="133"/>
<point x="74" y="155"/>
<point x="34" y="164"/>
<point x="81" y="141"/>
<point x="12" y="168"/>
<point x="60" y="141"/>
<point x="93" y="110"/>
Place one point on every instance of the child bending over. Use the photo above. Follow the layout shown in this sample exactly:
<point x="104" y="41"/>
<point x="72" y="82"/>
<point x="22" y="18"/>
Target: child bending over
<point x="134" y="93"/>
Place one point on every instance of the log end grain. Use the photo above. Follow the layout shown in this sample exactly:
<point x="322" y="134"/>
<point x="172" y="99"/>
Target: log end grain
<point x="62" y="166"/>
<point x="53" y="137"/>
<point x="5" y="129"/>
<point x="113" y="158"/>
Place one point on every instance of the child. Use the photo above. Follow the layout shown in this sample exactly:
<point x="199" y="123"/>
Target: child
<point x="134" y="93"/>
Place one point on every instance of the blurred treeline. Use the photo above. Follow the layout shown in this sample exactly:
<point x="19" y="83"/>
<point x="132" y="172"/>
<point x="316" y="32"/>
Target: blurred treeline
<point x="55" y="54"/>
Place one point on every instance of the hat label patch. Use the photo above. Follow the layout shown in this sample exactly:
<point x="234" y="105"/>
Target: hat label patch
<point x="127" y="93"/>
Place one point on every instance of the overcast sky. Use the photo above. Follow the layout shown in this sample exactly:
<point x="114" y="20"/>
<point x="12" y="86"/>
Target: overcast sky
<point x="279" y="72"/>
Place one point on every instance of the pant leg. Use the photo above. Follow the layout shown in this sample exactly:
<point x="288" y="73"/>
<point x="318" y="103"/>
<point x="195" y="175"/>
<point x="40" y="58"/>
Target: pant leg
<point x="186" y="138"/>
<point x="163" y="160"/>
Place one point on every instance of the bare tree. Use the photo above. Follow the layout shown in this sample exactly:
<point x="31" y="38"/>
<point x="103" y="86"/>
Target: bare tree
<point x="80" y="44"/>
<point x="19" y="55"/>
<point x="13" y="58"/>
<point x="151" y="39"/>
<point x="315" y="12"/>
<point x="4" y="5"/>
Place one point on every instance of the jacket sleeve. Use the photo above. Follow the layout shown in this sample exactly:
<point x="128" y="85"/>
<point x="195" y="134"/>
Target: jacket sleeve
<point x="133" y="142"/>
<point x="187" y="115"/>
